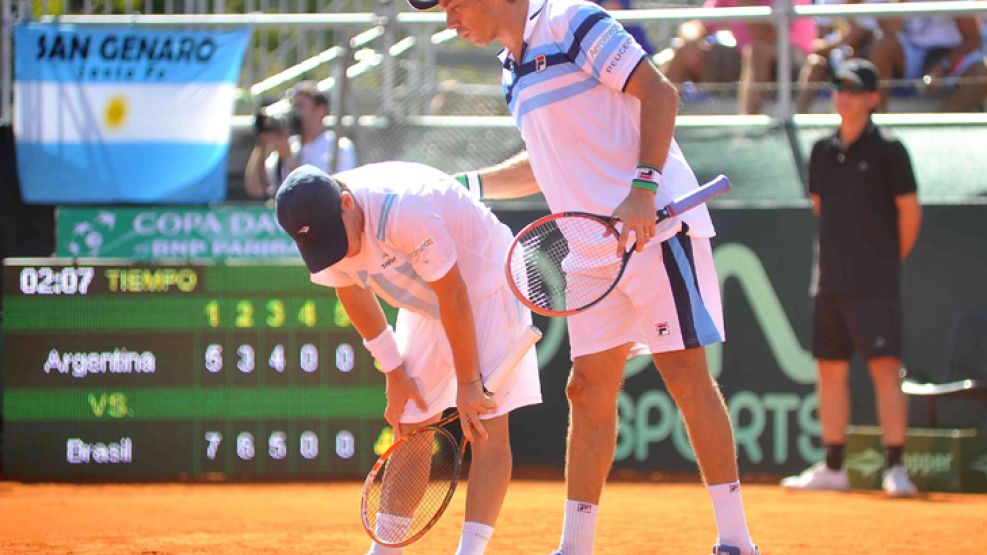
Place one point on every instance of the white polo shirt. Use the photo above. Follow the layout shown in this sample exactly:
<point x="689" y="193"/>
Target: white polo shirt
<point x="418" y="222"/>
<point x="582" y="132"/>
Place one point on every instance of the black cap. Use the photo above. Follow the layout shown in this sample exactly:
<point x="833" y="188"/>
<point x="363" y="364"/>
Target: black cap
<point x="423" y="4"/>
<point x="308" y="208"/>
<point x="856" y="75"/>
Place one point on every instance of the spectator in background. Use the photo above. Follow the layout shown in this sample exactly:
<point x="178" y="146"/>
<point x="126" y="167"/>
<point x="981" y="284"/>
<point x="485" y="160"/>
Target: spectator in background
<point x="934" y="48"/>
<point x="838" y="39"/>
<point x="759" y="62"/>
<point x="302" y="139"/>
<point x="705" y="51"/>
<point x="639" y="33"/>
<point x="864" y="194"/>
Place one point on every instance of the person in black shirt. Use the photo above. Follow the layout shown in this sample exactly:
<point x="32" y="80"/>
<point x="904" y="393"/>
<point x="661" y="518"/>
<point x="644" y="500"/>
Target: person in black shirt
<point x="863" y="190"/>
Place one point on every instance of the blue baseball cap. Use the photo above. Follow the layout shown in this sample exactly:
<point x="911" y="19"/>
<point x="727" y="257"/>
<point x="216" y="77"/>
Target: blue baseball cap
<point x="423" y="4"/>
<point x="309" y="210"/>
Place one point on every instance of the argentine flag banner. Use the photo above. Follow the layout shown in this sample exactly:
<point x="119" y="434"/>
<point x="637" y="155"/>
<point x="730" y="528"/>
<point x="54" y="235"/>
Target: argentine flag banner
<point x="122" y="114"/>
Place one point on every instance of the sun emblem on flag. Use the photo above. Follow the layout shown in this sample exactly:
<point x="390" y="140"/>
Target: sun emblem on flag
<point x="116" y="112"/>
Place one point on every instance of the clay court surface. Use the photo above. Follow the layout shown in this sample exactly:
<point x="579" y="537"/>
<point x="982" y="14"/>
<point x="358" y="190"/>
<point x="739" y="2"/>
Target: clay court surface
<point x="323" y="518"/>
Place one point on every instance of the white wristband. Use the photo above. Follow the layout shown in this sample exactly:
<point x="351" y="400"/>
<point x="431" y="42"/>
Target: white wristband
<point x="475" y="184"/>
<point x="384" y="349"/>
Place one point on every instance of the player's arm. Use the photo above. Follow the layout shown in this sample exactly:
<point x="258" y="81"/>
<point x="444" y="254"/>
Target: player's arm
<point x="909" y="222"/>
<point x="904" y="188"/>
<point x="509" y="179"/>
<point x="364" y="311"/>
<point x="457" y="321"/>
<point x="659" y="104"/>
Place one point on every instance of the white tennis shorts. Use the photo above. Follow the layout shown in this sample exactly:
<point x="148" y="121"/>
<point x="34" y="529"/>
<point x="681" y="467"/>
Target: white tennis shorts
<point x="500" y="320"/>
<point x="667" y="300"/>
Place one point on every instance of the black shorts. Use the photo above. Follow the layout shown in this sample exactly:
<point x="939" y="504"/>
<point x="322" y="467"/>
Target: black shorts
<point x="869" y="326"/>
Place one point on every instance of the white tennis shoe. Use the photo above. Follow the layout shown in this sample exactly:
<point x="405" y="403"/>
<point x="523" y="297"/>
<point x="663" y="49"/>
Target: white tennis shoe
<point x="896" y="482"/>
<point x="819" y="477"/>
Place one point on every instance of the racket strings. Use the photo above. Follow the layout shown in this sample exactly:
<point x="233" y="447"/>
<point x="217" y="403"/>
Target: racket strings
<point x="566" y="263"/>
<point x="412" y="487"/>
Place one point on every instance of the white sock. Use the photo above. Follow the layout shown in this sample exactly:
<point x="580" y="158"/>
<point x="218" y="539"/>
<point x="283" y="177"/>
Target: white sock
<point x="474" y="539"/>
<point x="392" y="528"/>
<point x="728" y="508"/>
<point x="578" y="528"/>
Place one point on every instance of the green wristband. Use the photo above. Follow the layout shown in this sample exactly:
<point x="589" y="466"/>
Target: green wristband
<point x="646" y="185"/>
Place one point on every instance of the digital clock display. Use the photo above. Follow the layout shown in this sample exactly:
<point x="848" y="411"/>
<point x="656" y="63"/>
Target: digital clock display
<point x="163" y="371"/>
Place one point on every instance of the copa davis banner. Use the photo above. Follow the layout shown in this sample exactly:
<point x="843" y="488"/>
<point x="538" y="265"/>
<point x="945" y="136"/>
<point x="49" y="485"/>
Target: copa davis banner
<point x="123" y="115"/>
<point x="218" y="232"/>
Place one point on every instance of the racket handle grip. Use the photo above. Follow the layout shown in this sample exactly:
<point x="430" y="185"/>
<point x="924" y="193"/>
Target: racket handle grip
<point x="706" y="192"/>
<point x="506" y="368"/>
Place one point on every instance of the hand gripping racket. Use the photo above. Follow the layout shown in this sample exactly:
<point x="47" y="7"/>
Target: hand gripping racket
<point x="564" y="263"/>
<point x="412" y="483"/>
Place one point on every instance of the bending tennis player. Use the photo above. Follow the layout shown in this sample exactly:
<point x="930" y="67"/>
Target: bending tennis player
<point x="413" y="236"/>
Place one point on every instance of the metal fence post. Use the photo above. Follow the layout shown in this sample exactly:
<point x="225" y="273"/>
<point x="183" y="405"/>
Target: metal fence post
<point x="782" y="13"/>
<point x="390" y="11"/>
<point x="340" y="98"/>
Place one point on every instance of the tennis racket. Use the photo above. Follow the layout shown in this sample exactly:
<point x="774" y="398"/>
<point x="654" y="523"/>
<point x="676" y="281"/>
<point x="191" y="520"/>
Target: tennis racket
<point x="564" y="263"/>
<point x="412" y="483"/>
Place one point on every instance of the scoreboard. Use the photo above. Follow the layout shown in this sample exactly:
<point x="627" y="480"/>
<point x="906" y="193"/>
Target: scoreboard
<point x="113" y="370"/>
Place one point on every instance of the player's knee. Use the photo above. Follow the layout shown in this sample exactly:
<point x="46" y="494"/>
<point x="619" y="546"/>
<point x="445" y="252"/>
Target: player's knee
<point x="585" y="389"/>
<point x="686" y="375"/>
<point x="575" y="390"/>
<point x="690" y="388"/>
<point x="495" y="447"/>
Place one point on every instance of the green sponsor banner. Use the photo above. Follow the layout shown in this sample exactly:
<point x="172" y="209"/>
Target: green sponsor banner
<point x="148" y="233"/>
<point x="937" y="459"/>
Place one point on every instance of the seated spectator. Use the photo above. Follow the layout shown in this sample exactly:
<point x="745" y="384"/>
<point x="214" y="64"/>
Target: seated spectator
<point x="759" y="56"/>
<point x="723" y="52"/>
<point x="838" y="39"/>
<point x="701" y="54"/>
<point x="638" y="32"/>
<point x="935" y="49"/>
<point x="285" y="143"/>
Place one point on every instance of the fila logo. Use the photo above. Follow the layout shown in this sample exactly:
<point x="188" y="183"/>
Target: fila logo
<point x="734" y="488"/>
<point x="663" y="329"/>
<point x="303" y="230"/>
<point x="647" y="174"/>
<point x="584" y="508"/>
<point x="541" y="63"/>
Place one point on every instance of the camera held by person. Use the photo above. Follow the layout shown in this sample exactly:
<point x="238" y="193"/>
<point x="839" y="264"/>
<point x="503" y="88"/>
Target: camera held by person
<point x="287" y="140"/>
<point x="268" y="119"/>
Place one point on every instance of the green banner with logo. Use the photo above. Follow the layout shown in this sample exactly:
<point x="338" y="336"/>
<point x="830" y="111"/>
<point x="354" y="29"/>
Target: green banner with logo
<point x="937" y="459"/>
<point x="147" y="233"/>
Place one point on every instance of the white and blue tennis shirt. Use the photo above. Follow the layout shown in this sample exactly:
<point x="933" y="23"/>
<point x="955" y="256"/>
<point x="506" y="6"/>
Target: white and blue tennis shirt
<point x="418" y="222"/>
<point x="581" y="130"/>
